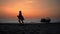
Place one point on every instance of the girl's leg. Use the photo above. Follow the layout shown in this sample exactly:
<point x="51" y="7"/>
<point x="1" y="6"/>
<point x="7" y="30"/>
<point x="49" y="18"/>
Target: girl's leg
<point x="22" y="21"/>
<point x="19" y="21"/>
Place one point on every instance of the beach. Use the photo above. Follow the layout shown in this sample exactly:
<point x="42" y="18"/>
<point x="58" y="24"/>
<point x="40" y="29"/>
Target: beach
<point x="30" y="28"/>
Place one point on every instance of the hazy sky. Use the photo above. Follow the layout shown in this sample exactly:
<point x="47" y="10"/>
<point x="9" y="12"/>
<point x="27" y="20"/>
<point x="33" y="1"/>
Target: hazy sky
<point x="31" y="9"/>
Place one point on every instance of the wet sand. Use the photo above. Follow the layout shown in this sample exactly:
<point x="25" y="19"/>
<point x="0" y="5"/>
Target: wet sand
<point x="30" y="28"/>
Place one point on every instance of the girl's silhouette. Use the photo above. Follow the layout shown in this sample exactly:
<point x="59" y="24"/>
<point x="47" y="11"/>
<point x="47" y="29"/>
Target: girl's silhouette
<point x="20" y="17"/>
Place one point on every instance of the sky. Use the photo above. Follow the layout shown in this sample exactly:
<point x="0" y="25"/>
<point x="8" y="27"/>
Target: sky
<point x="32" y="10"/>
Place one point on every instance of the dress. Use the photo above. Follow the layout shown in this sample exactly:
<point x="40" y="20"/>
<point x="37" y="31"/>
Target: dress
<point x="21" y="17"/>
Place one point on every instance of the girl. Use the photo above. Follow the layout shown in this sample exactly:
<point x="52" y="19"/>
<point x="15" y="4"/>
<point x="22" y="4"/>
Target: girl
<point x="20" y="17"/>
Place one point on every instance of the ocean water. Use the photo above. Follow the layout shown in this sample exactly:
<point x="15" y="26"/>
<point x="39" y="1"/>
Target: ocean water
<point x="28" y="21"/>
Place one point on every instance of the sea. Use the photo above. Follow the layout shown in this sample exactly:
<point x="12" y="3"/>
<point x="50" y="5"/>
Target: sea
<point x="27" y="21"/>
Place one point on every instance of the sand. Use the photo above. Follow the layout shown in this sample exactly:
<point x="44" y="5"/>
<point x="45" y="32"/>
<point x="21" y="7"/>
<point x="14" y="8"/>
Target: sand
<point x="30" y="28"/>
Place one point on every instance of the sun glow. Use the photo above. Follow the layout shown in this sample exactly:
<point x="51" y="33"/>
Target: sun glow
<point x="29" y="8"/>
